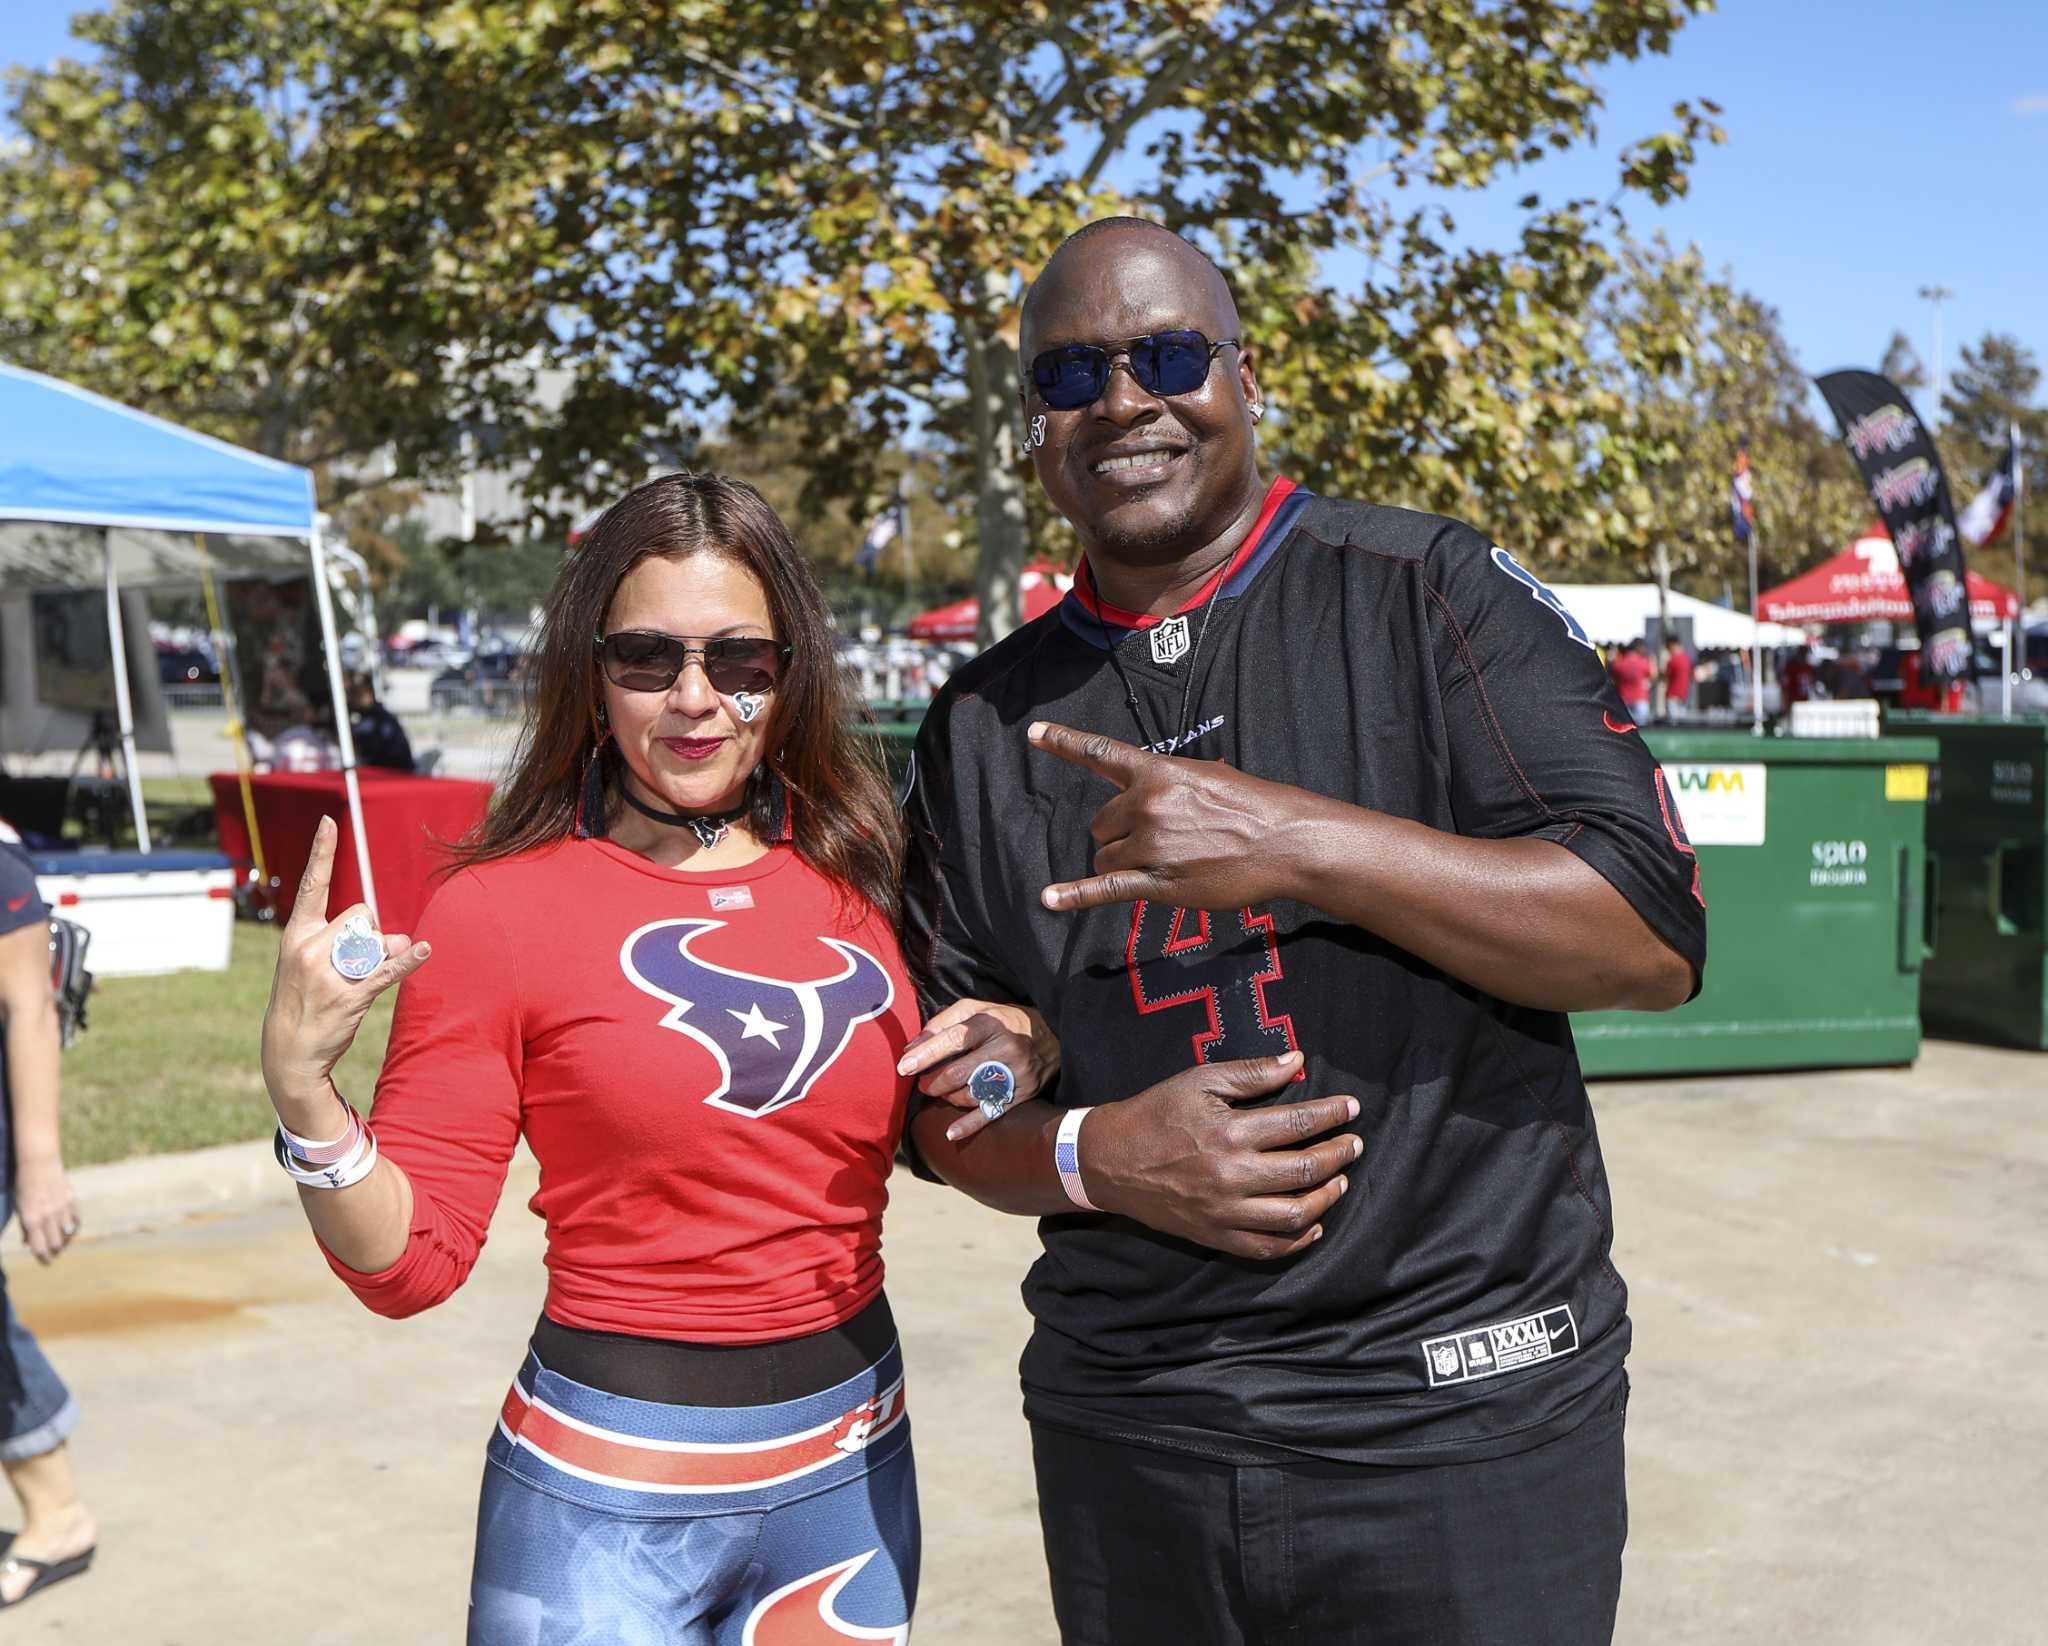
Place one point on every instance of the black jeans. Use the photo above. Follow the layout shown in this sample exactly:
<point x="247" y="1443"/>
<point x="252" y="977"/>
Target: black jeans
<point x="1149" y="1547"/>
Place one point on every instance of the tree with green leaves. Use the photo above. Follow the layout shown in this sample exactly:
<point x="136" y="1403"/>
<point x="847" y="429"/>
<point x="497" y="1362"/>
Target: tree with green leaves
<point x="1693" y="368"/>
<point x="1995" y="387"/>
<point x="337" y="229"/>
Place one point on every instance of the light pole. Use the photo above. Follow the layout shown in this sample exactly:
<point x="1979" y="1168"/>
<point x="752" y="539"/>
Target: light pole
<point x="1937" y="295"/>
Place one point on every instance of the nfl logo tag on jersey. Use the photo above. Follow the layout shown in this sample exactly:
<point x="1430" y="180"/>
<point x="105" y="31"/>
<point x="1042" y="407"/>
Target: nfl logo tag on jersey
<point x="1170" y="640"/>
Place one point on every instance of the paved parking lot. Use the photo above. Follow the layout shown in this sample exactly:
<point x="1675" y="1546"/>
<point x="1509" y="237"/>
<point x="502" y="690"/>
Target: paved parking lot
<point x="1839" y="1430"/>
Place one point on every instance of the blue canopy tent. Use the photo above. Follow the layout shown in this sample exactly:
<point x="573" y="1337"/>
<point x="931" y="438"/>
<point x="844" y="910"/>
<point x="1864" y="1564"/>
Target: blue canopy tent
<point x="96" y="495"/>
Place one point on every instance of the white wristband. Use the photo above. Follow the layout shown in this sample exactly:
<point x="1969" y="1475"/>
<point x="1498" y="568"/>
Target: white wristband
<point x="342" y="1174"/>
<point x="1066" y="1155"/>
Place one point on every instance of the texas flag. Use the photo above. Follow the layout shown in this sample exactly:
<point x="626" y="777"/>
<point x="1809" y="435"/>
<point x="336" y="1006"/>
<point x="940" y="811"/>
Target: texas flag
<point x="1741" y="498"/>
<point x="1992" y="507"/>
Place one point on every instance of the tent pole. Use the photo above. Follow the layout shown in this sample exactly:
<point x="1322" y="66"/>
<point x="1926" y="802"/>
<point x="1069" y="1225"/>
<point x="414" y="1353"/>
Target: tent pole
<point x="324" y="598"/>
<point x="122" y="705"/>
<point x="1756" y="646"/>
<point x="236" y="733"/>
<point x="2016" y="653"/>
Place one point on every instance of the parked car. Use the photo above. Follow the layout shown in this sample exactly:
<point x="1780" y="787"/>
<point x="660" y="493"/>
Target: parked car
<point x="178" y="666"/>
<point x="490" y="681"/>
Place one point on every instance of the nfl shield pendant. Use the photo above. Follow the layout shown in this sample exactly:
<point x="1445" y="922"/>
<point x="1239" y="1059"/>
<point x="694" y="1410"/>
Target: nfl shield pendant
<point x="357" y="951"/>
<point x="1170" y="640"/>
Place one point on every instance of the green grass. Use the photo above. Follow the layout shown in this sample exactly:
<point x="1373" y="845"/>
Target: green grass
<point x="171" y="1062"/>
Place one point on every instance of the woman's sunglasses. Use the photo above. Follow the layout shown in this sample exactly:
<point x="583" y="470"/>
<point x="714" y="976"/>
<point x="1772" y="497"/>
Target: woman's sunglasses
<point x="642" y="660"/>
<point x="1166" y="362"/>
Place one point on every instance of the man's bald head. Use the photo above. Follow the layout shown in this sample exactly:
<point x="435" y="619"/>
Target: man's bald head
<point x="1156" y="477"/>
<point x="1151" y="251"/>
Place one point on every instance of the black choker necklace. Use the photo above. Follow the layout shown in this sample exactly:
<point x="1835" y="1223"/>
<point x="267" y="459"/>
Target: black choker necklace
<point x="708" y="827"/>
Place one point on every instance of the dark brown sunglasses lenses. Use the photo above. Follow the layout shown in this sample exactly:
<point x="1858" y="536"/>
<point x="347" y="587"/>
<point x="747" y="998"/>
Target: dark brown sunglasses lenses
<point x="651" y="662"/>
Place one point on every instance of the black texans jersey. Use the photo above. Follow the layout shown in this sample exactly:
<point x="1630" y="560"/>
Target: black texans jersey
<point x="1461" y="1302"/>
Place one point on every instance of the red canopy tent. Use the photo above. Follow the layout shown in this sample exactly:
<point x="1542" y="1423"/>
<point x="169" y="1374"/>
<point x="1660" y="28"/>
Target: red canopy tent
<point x="1864" y="583"/>
<point x="1044" y="586"/>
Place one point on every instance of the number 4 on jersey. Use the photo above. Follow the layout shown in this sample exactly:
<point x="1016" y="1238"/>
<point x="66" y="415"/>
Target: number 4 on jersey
<point x="1175" y="960"/>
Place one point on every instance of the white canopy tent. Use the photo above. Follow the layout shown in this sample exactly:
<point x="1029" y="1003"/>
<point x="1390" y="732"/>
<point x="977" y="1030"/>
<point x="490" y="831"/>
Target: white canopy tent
<point x="94" y="495"/>
<point x="1611" y="613"/>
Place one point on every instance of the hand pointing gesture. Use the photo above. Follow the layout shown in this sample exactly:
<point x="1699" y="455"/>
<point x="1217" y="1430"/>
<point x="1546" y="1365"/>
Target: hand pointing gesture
<point x="1194" y="833"/>
<point x="315" y="1009"/>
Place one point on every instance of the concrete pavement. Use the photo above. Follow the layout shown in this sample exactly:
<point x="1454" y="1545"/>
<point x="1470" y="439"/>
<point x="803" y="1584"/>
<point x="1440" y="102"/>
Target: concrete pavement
<point x="1840" y="1285"/>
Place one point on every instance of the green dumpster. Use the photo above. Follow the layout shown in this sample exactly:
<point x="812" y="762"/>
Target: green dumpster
<point x="1987" y="837"/>
<point x="1811" y="856"/>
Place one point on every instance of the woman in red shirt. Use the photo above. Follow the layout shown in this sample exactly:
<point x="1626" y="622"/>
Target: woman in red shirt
<point x="669" y="962"/>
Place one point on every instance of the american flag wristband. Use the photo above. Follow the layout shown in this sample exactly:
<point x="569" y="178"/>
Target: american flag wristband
<point x="309" y="1153"/>
<point x="1066" y="1155"/>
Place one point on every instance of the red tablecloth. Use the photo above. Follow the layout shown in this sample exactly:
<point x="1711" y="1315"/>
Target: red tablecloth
<point x="407" y="819"/>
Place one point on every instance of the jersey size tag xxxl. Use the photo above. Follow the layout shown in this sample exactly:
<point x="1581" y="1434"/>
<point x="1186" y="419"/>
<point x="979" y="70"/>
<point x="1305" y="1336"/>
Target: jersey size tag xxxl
<point x="1487" y="1351"/>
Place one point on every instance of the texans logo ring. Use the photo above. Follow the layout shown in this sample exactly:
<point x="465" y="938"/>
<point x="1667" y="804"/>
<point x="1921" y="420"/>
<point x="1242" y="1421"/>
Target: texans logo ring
<point x="358" y="951"/>
<point x="993" y="1088"/>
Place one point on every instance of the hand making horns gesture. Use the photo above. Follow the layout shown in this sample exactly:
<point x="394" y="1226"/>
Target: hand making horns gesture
<point x="315" y="1005"/>
<point x="1194" y="833"/>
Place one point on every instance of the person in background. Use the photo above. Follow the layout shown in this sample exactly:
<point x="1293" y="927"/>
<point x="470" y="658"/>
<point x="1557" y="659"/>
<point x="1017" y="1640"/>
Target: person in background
<point x="311" y="745"/>
<point x="1918" y="692"/>
<point x="1852" y="678"/>
<point x="1678" y="672"/>
<point x="1631" y="671"/>
<point x="380" y="740"/>
<point x="1796" y="679"/>
<point x="37" y="1412"/>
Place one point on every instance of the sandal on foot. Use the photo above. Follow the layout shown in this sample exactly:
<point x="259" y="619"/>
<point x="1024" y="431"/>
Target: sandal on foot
<point x="46" y="1573"/>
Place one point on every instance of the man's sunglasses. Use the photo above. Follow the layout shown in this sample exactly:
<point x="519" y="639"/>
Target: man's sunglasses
<point x="1166" y="362"/>
<point x="642" y="660"/>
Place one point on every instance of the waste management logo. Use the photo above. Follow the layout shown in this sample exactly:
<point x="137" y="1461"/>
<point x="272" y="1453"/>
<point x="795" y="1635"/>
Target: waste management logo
<point x="1720" y="805"/>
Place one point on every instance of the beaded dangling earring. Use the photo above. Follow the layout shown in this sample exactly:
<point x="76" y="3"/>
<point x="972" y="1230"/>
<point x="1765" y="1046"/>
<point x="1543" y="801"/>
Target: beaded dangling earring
<point x="590" y="818"/>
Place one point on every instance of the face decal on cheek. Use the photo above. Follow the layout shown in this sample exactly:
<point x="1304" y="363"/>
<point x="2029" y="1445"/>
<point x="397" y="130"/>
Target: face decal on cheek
<point x="1035" y="436"/>
<point x="748" y="705"/>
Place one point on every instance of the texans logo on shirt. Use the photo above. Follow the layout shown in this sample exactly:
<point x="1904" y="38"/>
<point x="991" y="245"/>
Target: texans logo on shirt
<point x="771" y="1037"/>
<point x="1541" y="594"/>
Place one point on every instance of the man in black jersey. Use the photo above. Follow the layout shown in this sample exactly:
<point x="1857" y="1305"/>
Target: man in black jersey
<point x="1304" y="823"/>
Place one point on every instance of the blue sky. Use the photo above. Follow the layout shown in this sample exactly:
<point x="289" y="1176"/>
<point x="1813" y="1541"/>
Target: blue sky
<point x="1875" y="147"/>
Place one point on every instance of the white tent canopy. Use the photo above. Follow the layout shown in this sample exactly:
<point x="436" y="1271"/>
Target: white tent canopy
<point x="95" y="495"/>
<point x="1611" y="613"/>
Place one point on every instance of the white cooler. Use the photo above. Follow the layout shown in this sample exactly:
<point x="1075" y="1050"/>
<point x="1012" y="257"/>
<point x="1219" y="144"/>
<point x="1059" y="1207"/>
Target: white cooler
<point x="147" y="911"/>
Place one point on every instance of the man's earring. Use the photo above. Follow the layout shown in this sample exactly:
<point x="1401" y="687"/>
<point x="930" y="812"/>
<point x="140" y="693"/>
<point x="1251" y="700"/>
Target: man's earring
<point x="1258" y="410"/>
<point x="1034" y="436"/>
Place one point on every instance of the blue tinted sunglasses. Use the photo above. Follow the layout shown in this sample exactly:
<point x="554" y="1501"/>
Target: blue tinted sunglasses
<point x="1166" y="362"/>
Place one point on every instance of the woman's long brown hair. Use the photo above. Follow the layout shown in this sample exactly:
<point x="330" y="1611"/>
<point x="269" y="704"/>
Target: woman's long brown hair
<point x="841" y="818"/>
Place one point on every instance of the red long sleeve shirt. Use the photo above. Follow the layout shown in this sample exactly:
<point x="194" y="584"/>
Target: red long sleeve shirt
<point x="703" y="1064"/>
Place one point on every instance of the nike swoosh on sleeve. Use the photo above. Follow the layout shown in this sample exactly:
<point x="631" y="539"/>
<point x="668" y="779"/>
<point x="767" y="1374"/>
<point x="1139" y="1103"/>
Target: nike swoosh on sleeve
<point x="1607" y="720"/>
